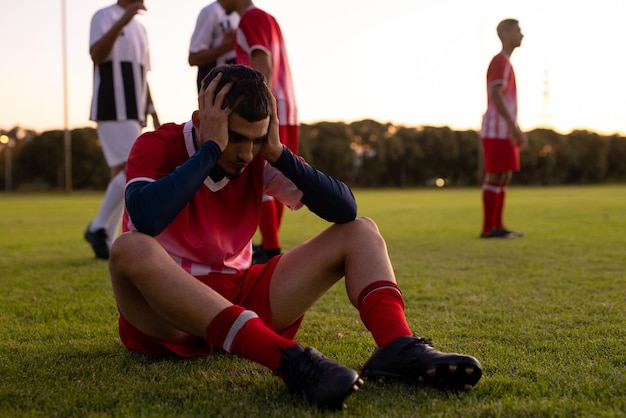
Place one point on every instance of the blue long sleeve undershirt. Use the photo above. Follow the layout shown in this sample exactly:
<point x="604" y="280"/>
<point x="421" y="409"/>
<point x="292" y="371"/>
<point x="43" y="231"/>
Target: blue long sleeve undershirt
<point x="325" y="196"/>
<point x="154" y="205"/>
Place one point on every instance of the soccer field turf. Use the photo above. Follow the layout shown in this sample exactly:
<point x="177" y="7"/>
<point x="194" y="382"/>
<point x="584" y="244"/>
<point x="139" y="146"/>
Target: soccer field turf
<point x="545" y="314"/>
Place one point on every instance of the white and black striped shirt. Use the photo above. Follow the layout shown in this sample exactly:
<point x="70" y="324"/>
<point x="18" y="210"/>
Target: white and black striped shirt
<point x="120" y="88"/>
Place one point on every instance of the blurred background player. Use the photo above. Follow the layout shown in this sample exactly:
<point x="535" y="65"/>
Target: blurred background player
<point x="500" y="134"/>
<point x="259" y="44"/>
<point x="212" y="42"/>
<point x="118" y="45"/>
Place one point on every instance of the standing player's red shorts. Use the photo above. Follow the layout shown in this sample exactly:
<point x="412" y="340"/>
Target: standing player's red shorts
<point x="249" y="289"/>
<point x="500" y="155"/>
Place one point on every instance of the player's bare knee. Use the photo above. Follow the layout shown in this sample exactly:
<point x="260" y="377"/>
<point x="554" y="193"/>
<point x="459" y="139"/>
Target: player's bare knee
<point x="126" y="246"/>
<point x="363" y="228"/>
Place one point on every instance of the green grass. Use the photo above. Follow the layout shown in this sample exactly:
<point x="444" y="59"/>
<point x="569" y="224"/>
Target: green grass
<point x="545" y="314"/>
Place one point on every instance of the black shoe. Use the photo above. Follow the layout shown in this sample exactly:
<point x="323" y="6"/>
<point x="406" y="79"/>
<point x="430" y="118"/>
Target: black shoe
<point x="414" y="359"/>
<point x="512" y="234"/>
<point x="499" y="233"/>
<point x="98" y="241"/>
<point x="319" y="380"/>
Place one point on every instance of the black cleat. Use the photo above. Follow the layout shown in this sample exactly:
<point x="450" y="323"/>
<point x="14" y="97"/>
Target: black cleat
<point x="500" y="233"/>
<point x="319" y="380"/>
<point x="414" y="359"/>
<point x="512" y="234"/>
<point x="98" y="241"/>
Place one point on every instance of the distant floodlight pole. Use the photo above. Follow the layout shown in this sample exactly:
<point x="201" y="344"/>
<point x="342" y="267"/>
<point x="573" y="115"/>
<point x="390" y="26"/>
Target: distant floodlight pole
<point x="67" y="142"/>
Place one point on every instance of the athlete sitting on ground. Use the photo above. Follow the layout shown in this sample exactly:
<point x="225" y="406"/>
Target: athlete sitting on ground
<point x="182" y="277"/>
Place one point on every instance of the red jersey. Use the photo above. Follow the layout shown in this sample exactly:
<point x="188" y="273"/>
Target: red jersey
<point x="213" y="232"/>
<point x="500" y="71"/>
<point x="259" y="30"/>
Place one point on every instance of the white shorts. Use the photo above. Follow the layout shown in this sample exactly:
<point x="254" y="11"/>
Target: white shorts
<point x="117" y="138"/>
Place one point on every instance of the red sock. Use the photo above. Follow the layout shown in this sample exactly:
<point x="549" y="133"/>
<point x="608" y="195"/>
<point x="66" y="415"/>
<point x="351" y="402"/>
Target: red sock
<point x="490" y="197"/>
<point x="280" y="208"/>
<point x="243" y="333"/>
<point x="382" y="310"/>
<point x="268" y="225"/>
<point x="499" y="209"/>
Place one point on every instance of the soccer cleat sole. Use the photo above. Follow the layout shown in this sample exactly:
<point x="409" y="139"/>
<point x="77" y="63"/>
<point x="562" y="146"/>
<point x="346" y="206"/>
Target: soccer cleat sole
<point x="456" y="377"/>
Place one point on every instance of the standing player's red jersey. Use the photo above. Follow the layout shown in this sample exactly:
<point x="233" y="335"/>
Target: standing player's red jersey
<point x="500" y="71"/>
<point x="259" y="30"/>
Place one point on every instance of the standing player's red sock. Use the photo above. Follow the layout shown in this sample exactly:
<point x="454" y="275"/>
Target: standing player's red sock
<point x="499" y="207"/>
<point x="268" y="225"/>
<point x="490" y="196"/>
<point x="242" y="333"/>
<point x="280" y="208"/>
<point x="382" y="311"/>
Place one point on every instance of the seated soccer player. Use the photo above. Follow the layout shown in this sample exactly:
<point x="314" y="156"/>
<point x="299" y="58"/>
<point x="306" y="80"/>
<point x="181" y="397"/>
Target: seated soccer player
<point x="182" y="274"/>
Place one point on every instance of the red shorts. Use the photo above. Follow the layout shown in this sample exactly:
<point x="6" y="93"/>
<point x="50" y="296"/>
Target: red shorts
<point x="289" y="135"/>
<point x="249" y="289"/>
<point x="500" y="155"/>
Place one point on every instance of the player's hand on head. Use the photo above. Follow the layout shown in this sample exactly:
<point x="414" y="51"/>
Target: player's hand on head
<point x="212" y="117"/>
<point x="273" y="148"/>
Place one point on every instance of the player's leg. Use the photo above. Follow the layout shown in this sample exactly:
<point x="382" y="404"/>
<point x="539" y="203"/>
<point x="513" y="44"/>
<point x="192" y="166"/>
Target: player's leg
<point x="500" y="158"/>
<point x="116" y="138"/>
<point x="161" y="300"/>
<point x="490" y="186"/>
<point x="157" y="296"/>
<point x="272" y="210"/>
<point x="491" y="191"/>
<point x="357" y="251"/>
<point x="504" y="181"/>
<point x="268" y="227"/>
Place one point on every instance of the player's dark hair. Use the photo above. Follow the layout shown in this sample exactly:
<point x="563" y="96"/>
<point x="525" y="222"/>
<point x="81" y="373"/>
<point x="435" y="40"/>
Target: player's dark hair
<point x="249" y="96"/>
<point x="506" y="25"/>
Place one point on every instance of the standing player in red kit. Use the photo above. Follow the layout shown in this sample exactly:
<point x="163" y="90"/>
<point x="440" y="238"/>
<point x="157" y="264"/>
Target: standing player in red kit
<point x="182" y="275"/>
<point x="500" y="134"/>
<point x="259" y="44"/>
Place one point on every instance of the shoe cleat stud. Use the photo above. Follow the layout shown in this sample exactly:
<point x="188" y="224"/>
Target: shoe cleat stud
<point x="420" y="380"/>
<point x="467" y="387"/>
<point x="432" y="372"/>
<point x="452" y="368"/>
<point x="469" y="370"/>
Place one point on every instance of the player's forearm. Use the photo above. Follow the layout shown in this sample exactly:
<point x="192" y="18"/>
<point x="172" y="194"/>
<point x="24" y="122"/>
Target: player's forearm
<point x="327" y="197"/>
<point x="102" y="48"/>
<point x="208" y="56"/>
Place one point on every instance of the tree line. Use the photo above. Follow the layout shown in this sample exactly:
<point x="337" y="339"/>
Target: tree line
<point x="364" y="154"/>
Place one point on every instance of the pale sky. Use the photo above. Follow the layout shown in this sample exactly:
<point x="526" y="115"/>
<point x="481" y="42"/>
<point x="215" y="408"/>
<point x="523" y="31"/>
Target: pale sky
<point x="410" y="62"/>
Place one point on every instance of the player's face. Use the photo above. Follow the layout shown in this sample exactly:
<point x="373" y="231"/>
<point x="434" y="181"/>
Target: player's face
<point x="245" y="140"/>
<point x="228" y="6"/>
<point x="516" y="36"/>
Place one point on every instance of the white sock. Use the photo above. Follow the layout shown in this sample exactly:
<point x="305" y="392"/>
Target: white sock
<point x="113" y="225"/>
<point x="111" y="208"/>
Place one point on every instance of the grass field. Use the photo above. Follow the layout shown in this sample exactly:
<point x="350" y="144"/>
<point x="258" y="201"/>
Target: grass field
<point x="545" y="314"/>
